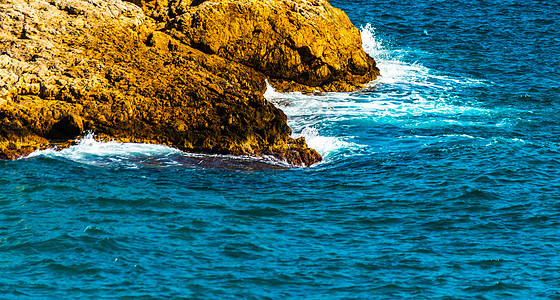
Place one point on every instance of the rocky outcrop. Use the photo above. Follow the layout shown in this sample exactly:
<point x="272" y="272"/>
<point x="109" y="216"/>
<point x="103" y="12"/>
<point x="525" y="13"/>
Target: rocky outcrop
<point x="189" y="74"/>
<point x="309" y="43"/>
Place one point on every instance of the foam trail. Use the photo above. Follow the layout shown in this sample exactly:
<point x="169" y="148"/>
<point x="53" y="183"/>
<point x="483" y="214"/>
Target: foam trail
<point x="135" y="155"/>
<point x="300" y="110"/>
<point x="88" y="146"/>
<point x="407" y="95"/>
<point x="90" y="151"/>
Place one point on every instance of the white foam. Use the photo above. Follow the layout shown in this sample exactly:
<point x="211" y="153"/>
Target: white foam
<point x="270" y="92"/>
<point x="325" y="145"/>
<point x="373" y="45"/>
<point x="135" y="155"/>
<point x="379" y="107"/>
<point x="92" y="152"/>
<point x="406" y="94"/>
<point x="88" y="146"/>
<point x="394" y="69"/>
<point x="302" y="111"/>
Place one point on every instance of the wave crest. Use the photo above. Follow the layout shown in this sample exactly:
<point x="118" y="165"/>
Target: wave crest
<point x="88" y="151"/>
<point x="405" y="95"/>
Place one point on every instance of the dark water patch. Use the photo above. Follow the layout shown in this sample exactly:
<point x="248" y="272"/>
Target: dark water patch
<point x="488" y="263"/>
<point x="468" y="193"/>
<point x="142" y="204"/>
<point x="261" y="212"/>
<point x="502" y="289"/>
<point x="32" y="244"/>
<point x="244" y="250"/>
<point x="72" y="269"/>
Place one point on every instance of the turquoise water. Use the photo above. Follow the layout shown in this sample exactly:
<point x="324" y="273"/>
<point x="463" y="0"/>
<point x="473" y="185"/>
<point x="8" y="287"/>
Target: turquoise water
<point x="441" y="180"/>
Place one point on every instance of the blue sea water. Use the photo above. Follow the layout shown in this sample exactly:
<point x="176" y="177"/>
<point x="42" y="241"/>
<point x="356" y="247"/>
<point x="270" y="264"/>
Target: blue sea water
<point x="441" y="180"/>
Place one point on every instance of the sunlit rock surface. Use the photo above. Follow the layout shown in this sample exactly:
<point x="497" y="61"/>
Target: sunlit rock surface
<point x="188" y="74"/>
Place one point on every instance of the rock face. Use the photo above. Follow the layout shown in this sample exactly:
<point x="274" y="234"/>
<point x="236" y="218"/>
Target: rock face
<point x="307" y="42"/>
<point x="188" y="74"/>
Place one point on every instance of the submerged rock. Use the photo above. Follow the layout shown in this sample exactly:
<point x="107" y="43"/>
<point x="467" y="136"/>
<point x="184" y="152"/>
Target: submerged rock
<point x="188" y="74"/>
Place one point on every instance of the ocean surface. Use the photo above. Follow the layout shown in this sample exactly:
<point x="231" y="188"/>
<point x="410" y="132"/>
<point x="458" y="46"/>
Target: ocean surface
<point x="440" y="180"/>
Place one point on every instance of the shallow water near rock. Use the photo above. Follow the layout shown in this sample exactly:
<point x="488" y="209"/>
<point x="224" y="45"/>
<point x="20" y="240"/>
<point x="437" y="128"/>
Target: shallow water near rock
<point x="439" y="180"/>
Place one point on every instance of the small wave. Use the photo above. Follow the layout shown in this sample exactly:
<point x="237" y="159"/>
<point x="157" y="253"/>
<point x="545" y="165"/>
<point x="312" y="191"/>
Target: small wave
<point x="395" y="70"/>
<point x="304" y="115"/>
<point x="92" y="152"/>
<point x="407" y="95"/>
<point x="325" y="145"/>
<point x="88" y="151"/>
<point x="88" y="146"/>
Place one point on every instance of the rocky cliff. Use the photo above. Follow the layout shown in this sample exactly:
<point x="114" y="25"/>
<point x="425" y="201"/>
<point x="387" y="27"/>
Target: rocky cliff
<point x="188" y="74"/>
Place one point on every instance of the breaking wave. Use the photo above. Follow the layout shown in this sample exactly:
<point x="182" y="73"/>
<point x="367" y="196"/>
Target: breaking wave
<point x="406" y="94"/>
<point x="135" y="155"/>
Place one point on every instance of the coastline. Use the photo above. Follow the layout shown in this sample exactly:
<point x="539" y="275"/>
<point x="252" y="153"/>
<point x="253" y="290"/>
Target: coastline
<point x="183" y="74"/>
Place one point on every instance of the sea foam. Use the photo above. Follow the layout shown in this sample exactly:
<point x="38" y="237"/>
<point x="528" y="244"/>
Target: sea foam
<point x="93" y="152"/>
<point x="395" y="69"/>
<point x="89" y="151"/>
<point x="88" y="146"/>
<point x="407" y="94"/>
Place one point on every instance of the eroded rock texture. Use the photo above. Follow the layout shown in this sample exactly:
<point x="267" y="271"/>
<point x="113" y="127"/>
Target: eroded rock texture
<point x="189" y="74"/>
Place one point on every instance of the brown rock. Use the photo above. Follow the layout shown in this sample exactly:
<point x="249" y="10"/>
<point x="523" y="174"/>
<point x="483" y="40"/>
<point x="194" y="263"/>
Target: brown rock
<point x="68" y="66"/>
<point x="308" y="42"/>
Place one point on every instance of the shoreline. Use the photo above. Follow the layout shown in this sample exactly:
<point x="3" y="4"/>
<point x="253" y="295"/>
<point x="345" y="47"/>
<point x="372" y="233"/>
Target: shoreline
<point x="187" y="75"/>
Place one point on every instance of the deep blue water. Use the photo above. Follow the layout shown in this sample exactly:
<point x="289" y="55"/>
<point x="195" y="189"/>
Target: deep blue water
<point x="441" y="180"/>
